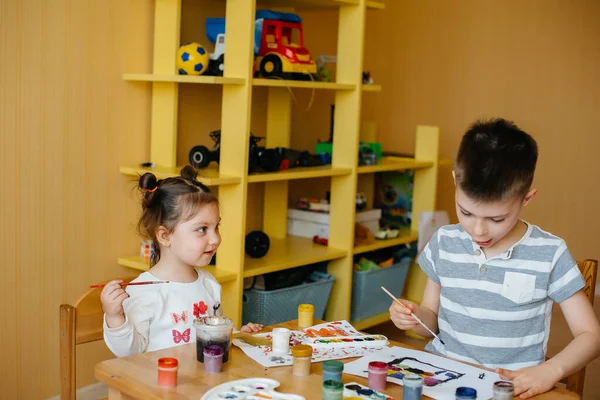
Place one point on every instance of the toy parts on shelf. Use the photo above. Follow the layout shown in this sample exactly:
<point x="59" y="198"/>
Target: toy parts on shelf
<point x="192" y="59"/>
<point x="278" y="46"/>
<point x="259" y="159"/>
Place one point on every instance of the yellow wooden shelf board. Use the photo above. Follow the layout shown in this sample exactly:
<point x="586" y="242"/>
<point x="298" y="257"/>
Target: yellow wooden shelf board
<point x="404" y="238"/>
<point x="318" y="4"/>
<point x="302" y="84"/>
<point x="299" y="173"/>
<point x="371" y="321"/>
<point x="135" y="263"/>
<point x="371" y="88"/>
<point x="375" y="5"/>
<point x="445" y="162"/>
<point x="215" y="80"/>
<point x="209" y="176"/>
<point x="394" y="164"/>
<point x="290" y="252"/>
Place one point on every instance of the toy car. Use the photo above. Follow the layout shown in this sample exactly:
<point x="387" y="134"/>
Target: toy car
<point x="201" y="156"/>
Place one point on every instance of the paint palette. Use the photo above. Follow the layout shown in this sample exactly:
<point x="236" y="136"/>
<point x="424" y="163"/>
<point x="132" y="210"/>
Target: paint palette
<point x="355" y="390"/>
<point x="348" y="341"/>
<point x="249" y="389"/>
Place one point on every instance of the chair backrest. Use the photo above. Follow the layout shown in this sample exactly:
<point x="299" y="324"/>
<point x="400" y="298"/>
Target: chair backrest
<point x="79" y="323"/>
<point x="589" y="270"/>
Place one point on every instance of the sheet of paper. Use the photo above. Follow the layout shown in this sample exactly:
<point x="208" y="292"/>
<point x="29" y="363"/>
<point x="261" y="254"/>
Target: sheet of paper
<point x="442" y="375"/>
<point x="265" y="356"/>
<point x="429" y="222"/>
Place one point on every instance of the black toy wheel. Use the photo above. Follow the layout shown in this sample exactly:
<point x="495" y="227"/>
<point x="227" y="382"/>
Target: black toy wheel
<point x="216" y="67"/>
<point x="271" y="66"/>
<point x="257" y="244"/>
<point x="199" y="156"/>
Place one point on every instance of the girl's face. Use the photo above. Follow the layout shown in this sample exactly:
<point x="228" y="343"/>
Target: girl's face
<point x="194" y="242"/>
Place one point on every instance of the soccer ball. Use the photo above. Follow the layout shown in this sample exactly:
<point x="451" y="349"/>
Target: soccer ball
<point x="192" y="59"/>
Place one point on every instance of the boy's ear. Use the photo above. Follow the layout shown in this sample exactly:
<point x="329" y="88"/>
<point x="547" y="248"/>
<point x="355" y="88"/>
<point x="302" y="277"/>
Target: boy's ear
<point x="163" y="236"/>
<point x="529" y="196"/>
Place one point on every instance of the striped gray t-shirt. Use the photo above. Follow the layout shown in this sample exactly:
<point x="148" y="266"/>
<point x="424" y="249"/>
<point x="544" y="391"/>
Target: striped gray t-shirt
<point x="496" y="312"/>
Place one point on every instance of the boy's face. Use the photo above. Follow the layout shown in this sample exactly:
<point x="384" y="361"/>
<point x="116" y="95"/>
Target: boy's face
<point x="489" y="222"/>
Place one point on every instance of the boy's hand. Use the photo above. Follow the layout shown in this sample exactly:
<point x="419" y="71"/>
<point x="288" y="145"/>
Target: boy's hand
<point x="401" y="317"/>
<point x="252" y="327"/>
<point x="112" y="298"/>
<point x="531" y="381"/>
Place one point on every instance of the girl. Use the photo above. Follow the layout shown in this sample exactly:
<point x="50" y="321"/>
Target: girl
<point x="181" y="216"/>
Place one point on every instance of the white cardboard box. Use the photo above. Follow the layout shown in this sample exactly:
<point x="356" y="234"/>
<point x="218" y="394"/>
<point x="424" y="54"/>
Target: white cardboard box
<point x="310" y="223"/>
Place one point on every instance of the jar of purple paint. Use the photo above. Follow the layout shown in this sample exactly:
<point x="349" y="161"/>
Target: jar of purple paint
<point x="213" y="359"/>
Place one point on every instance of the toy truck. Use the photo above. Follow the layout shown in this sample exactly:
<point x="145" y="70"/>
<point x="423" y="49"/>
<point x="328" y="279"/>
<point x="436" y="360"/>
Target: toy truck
<point x="278" y="45"/>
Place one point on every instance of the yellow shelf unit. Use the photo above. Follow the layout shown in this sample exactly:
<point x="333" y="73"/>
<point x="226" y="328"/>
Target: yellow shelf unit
<point x="232" y="177"/>
<point x="288" y="253"/>
<point x="215" y="80"/>
<point x="134" y="262"/>
<point x="403" y="238"/>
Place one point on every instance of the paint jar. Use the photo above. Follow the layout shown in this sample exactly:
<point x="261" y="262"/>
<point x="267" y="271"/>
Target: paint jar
<point x="332" y="370"/>
<point x="503" y="390"/>
<point x="465" y="393"/>
<point x="213" y="359"/>
<point x="412" y="387"/>
<point x="302" y="354"/>
<point x="213" y="331"/>
<point x="306" y="314"/>
<point x="167" y="372"/>
<point x="281" y="340"/>
<point x="332" y="390"/>
<point x="377" y="375"/>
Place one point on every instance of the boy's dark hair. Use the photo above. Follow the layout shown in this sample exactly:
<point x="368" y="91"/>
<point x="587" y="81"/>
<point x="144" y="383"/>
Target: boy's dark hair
<point x="167" y="202"/>
<point x="495" y="161"/>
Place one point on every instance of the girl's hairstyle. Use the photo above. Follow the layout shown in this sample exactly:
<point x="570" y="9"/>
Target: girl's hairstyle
<point x="495" y="161"/>
<point x="169" y="202"/>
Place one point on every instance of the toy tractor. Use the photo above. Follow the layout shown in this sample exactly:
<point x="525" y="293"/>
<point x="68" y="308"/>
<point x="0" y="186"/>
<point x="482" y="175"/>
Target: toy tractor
<point x="201" y="156"/>
<point x="278" y="46"/>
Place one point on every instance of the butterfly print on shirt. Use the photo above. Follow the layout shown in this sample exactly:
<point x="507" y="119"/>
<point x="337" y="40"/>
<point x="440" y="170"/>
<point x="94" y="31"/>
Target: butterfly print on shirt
<point x="179" y="336"/>
<point x="177" y="318"/>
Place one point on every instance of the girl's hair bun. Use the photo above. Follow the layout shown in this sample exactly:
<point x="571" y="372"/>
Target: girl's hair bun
<point x="148" y="181"/>
<point x="188" y="172"/>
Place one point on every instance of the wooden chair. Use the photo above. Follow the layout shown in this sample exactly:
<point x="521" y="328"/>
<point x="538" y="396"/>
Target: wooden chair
<point x="589" y="270"/>
<point x="81" y="323"/>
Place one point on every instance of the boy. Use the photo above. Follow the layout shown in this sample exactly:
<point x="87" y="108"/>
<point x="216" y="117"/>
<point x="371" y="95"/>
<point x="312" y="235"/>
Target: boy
<point x="492" y="278"/>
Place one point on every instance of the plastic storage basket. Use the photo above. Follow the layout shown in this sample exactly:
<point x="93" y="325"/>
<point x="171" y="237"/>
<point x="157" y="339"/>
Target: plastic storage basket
<point x="275" y="306"/>
<point x="367" y="297"/>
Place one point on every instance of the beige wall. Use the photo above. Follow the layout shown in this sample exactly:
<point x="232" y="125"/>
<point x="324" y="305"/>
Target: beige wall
<point x="67" y="121"/>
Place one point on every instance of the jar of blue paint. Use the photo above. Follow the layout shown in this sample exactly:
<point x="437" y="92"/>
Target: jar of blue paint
<point x="465" y="393"/>
<point x="332" y="370"/>
<point x="412" y="387"/>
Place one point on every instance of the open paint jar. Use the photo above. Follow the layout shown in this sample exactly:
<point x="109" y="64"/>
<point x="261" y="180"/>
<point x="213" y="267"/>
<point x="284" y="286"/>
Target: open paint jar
<point x="332" y="390"/>
<point x="212" y="331"/>
<point x="213" y="359"/>
<point x="378" y="375"/>
<point x="503" y="390"/>
<point x="465" y="393"/>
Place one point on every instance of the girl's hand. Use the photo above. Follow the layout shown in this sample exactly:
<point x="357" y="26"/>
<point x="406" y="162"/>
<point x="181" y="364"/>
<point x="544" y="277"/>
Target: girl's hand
<point x="252" y="327"/>
<point x="401" y="317"/>
<point x="531" y="381"/>
<point x="112" y="298"/>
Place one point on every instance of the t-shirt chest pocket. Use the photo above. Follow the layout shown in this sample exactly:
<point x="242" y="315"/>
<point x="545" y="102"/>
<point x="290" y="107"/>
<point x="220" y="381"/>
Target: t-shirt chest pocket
<point x="518" y="287"/>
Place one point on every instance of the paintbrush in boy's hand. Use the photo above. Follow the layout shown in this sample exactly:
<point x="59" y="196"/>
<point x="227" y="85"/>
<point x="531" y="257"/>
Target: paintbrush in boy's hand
<point x="412" y="315"/>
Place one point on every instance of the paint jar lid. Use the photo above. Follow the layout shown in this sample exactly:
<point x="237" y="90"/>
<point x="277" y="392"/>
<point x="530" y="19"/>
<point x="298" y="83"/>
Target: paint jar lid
<point x="213" y="350"/>
<point x="333" y="366"/>
<point x="306" y="308"/>
<point x="378" y="366"/>
<point x="412" y="380"/>
<point x="167" y="362"/>
<point x="330" y="384"/>
<point x="504" y="387"/>
<point x="465" y="393"/>
<point x="302" y="350"/>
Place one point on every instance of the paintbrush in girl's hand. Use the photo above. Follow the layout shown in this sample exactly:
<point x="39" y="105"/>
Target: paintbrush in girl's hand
<point x="131" y="284"/>
<point x="412" y="315"/>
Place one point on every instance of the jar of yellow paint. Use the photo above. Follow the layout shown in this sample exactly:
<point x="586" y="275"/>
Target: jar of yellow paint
<point x="306" y="314"/>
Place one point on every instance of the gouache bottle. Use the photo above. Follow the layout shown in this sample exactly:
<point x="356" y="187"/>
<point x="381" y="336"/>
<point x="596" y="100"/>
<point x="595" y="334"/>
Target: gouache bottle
<point x="332" y="370"/>
<point x="167" y="372"/>
<point x="378" y="375"/>
<point x="465" y="393"/>
<point x="412" y="387"/>
<point x="332" y="390"/>
<point x="213" y="359"/>
<point x="302" y="354"/>
<point x="503" y="390"/>
<point x="306" y="314"/>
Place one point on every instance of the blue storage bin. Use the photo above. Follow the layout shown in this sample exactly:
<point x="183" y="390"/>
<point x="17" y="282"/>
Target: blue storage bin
<point x="367" y="297"/>
<point x="275" y="306"/>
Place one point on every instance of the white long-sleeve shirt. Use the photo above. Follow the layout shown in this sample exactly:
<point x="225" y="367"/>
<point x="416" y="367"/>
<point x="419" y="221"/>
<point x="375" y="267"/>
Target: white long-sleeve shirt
<point x="161" y="316"/>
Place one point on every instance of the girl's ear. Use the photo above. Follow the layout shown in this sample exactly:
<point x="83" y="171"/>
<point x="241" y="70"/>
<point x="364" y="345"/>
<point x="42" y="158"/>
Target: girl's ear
<point x="163" y="236"/>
